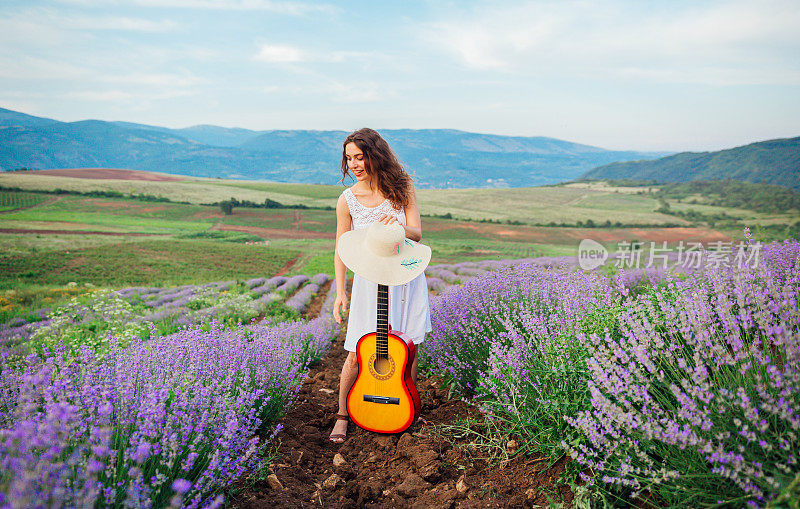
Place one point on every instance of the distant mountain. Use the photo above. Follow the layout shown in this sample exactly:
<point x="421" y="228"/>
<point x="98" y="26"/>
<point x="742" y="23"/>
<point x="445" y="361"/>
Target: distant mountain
<point x="207" y="134"/>
<point x="8" y="117"/>
<point x="772" y="161"/>
<point x="437" y="157"/>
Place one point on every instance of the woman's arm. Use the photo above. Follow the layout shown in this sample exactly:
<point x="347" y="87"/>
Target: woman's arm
<point x="413" y="224"/>
<point x="343" y="224"/>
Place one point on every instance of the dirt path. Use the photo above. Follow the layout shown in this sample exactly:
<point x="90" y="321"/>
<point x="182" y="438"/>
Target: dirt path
<point x="423" y="467"/>
<point x="288" y="265"/>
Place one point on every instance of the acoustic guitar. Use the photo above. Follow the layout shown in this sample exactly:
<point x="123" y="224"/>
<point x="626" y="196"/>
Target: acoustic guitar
<point x="383" y="398"/>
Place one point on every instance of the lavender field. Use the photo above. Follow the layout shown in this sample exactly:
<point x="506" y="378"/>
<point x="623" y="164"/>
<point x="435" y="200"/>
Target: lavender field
<point x="152" y="396"/>
<point x="678" y="388"/>
<point x="681" y="388"/>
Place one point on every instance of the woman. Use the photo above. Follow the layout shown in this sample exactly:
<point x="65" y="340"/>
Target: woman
<point x="383" y="192"/>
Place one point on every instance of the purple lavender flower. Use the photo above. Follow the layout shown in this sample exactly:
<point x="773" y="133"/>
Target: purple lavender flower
<point x="75" y="432"/>
<point x="303" y="297"/>
<point x="181" y="486"/>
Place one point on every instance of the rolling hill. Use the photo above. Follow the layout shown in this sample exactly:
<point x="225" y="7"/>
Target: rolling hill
<point x="772" y="162"/>
<point x="439" y="158"/>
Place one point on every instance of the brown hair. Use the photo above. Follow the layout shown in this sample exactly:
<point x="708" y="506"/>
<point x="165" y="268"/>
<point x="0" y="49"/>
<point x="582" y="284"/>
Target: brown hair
<point x="382" y="166"/>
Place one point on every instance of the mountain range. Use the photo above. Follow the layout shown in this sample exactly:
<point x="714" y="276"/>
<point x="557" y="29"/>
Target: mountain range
<point x="438" y="158"/>
<point x="771" y="162"/>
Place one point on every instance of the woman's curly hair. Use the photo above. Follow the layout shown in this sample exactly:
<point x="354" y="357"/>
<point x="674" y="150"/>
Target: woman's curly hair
<point x="382" y="166"/>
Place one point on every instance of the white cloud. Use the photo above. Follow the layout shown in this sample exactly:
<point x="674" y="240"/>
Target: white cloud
<point x="728" y="42"/>
<point x="280" y="53"/>
<point x="284" y="53"/>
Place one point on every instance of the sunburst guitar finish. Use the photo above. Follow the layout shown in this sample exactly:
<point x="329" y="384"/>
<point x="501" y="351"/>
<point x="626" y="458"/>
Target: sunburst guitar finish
<point x="383" y="398"/>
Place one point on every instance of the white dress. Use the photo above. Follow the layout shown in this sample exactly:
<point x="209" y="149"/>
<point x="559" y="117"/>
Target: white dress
<point x="409" y="312"/>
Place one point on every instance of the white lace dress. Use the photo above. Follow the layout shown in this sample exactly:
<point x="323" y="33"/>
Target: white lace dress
<point x="408" y="304"/>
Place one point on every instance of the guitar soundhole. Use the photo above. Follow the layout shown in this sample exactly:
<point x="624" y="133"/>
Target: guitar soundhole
<point x="382" y="365"/>
<point x="381" y="368"/>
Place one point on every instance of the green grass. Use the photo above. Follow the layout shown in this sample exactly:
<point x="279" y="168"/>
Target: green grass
<point x="454" y="251"/>
<point x="116" y="222"/>
<point x="314" y="263"/>
<point x="192" y="190"/>
<point x="26" y="244"/>
<point x="10" y="200"/>
<point x="25" y="301"/>
<point x="127" y="215"/>
<point x="151" y="263"/>
<point x="225" y="236"/>
<point x="543" y="205"/>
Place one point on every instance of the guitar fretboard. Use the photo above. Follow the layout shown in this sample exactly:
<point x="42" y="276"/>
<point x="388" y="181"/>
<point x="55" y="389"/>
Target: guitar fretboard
<point x="382" y="329"/>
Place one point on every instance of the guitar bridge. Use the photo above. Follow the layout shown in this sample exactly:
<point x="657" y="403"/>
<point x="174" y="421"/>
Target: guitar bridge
<point x="386" y="400"/>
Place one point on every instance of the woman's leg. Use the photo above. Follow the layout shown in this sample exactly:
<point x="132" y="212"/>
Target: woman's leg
<point x="414" y="365"/>
<point x="418" y="347"/>
<point x="348" y="376"/>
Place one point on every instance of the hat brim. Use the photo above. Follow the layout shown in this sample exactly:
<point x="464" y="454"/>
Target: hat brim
<point x="392" y="270"/>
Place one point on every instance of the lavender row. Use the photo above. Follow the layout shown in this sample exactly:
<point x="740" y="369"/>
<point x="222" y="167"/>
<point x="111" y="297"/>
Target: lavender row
<point x="301" y="299"/>
<point x="688" y="384"/>
<point x="110" y="423"/>
<point x="268" y="285"/>
<point x="715" y="373"/>
<point x="292" y="284"/>
<point x="89" y="319"/>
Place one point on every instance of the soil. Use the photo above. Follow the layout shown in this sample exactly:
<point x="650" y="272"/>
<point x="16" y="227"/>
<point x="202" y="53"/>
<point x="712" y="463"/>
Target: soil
<point x="107" y="174"/>
<point x="425" y="466"/>
<point x="313" y="309"/>
<point x="288" y="266"/>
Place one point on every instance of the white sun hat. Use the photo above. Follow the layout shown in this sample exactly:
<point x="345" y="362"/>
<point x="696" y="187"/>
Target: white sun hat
<point x="382" y="254"/>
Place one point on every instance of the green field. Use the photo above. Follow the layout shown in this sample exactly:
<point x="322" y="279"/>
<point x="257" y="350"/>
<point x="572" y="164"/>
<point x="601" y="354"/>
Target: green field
<point x="192" y="190"/>
<point x="15" y="200"/>
<point x="532" y="205"/>
<point x="149" y="262"/>
<point x="535" y="205"/>
<point x="127" y="241"/>
<point x="562" y="204"/>
<point x="126" y="215"/>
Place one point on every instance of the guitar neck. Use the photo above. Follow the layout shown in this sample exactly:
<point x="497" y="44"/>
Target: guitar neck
<point x="382" y="328"/>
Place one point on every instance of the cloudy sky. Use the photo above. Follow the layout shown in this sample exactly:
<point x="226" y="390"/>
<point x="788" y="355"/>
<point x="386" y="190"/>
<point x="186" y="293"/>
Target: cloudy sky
<point x="645" y="75"/>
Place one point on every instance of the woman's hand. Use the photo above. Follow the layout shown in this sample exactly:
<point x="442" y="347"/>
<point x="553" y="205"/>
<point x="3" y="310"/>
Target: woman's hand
<point x="340" y="302"/>
<point x="387" y="219"/>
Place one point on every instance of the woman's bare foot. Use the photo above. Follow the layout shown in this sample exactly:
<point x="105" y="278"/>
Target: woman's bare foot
<point x="339" y="432"/>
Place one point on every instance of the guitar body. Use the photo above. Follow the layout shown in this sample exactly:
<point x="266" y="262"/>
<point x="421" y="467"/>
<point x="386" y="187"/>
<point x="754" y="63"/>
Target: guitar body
<point x="383" y="397"/>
